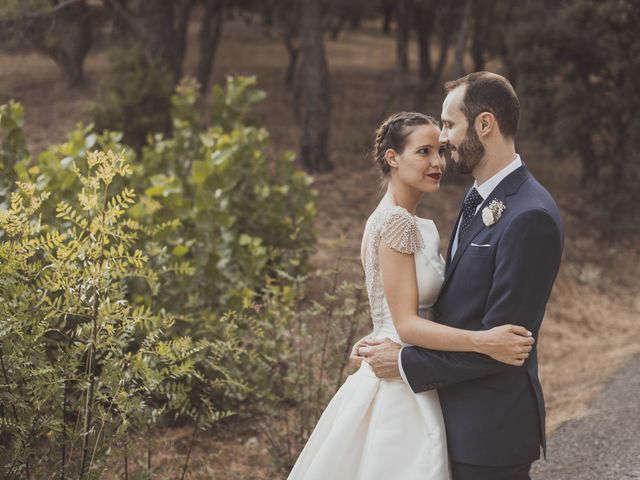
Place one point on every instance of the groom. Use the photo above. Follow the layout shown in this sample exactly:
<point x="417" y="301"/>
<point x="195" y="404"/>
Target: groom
<point x="502" y="261"/>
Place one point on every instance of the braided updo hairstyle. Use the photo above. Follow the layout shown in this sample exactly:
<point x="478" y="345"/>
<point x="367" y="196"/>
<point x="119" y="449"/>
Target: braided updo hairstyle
<point x="393" y="133"/>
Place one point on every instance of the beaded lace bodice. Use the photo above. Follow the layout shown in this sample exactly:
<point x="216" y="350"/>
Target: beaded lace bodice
<point x="405" y="233"/>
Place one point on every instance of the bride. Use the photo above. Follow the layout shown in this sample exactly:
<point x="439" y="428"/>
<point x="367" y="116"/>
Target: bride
<point x="379" y="429"/>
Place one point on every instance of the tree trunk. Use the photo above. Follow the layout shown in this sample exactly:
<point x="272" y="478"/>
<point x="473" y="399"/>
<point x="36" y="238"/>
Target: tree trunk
<point x="388" y="7"/>
<point x="294" y="54"/>
<point x="156" y="19"/>
<point x="589" y="160"/>
<point x="426" y="85"/>
<point x="355" y="18"/>
<point x="423" y="23"/>
<point x="268" y="13"/>
<point x="182" y="14"/>
<point x="119" y="26"/>
<point x="210" y="31"/>
<point x="445" y="43"/>
<point x="402" y="35"/>
<point x="510" y="69"/>
<point x="458" y="66"/>
<point x="315" y="93"/>
<point x="338" y="26"/>
<point x="292" y="42"/>
<point x="65" y="36"/>
<point x="483" y="12"/>
<point x="164" y="29"/>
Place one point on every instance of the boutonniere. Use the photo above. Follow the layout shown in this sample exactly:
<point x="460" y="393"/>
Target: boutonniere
<point x="492" y="212"/>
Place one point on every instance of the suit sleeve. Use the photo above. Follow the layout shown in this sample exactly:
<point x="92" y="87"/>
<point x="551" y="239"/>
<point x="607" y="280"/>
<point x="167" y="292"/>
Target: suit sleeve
<point x="527" y="262"/>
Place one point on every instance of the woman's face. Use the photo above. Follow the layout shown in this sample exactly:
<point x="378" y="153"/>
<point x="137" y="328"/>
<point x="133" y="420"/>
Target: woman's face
<point x="421" y="163"/>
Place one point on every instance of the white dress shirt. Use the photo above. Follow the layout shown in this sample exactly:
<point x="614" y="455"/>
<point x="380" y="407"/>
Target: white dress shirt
<point x="484" y="190"/>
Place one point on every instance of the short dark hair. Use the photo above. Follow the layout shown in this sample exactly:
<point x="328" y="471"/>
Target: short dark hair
<point x="489" y="92"/>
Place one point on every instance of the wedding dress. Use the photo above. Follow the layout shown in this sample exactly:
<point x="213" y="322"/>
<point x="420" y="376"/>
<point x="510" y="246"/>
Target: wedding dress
<point x="376" y="429"/>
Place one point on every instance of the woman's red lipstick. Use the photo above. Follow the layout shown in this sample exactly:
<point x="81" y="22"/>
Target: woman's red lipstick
<point x="435" y="176"/>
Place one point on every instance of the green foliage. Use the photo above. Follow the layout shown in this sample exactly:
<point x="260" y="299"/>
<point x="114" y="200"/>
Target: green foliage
<point x="232" y="105"/>
<point x="82" y="365"/>
<point x="304" y="348"/>
<point x="216" y="204"/>
<point x="578" y="62"/>
<point x="13" y="145"/>
<point x="52" y="170"/>
<point x="134" y="96"/>
<point x="169" y="306"/>
<point x="244" y="215"/>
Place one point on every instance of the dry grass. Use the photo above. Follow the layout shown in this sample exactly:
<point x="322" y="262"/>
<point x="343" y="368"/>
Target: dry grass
<point x="591" y="322"/>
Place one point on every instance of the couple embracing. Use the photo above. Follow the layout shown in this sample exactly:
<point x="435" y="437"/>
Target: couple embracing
<point x="448" y="382"/>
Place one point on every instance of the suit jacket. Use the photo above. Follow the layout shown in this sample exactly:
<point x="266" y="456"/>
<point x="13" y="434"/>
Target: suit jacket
<point x="503" y="273"/>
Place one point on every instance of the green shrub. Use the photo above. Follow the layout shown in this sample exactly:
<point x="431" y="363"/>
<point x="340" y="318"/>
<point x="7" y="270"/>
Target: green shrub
<point x="245" y="219"/>
<point x="207" y="307"/>
<point x="13" y="145"/>
<point x="134" y="96"/>
<point x="304" y="347"/>
<point x="245" y="216"/>
<point x="82" y="366"/>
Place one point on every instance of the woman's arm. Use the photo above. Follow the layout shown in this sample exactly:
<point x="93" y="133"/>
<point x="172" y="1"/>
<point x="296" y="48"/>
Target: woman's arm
<point x="509" y="344"/>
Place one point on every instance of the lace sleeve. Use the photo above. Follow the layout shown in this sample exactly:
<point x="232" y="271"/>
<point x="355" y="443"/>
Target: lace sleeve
<point x="400" y="232"/>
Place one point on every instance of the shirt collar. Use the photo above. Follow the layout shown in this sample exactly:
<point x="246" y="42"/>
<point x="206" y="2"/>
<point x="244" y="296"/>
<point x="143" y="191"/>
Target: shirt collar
<point x="489" y="185"/>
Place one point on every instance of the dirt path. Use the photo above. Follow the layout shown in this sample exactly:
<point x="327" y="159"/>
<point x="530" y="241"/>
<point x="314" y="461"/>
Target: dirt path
<point x="604" y="443"/>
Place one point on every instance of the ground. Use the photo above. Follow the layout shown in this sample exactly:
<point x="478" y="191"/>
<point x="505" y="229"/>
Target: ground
<point x="591" y="322"/>
<point x="602" y="444"/>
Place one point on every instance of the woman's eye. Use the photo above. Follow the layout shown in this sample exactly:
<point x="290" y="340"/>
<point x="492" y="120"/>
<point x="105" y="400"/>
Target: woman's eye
<point x="441" y="151"/>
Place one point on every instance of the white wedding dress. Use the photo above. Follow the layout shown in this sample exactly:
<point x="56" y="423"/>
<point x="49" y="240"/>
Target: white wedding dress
<point x="376" y="429"/>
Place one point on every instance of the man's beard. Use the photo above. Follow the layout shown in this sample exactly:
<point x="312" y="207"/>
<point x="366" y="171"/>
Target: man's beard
<point x="470" y="152"/>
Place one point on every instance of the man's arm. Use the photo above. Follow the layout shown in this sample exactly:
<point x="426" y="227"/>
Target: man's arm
<point x="526" y="266"/>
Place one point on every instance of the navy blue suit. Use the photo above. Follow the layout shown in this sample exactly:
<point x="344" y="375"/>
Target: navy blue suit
<point x="493" y="412"/>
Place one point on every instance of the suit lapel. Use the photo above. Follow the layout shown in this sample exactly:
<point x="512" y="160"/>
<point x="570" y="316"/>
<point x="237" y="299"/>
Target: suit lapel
<point x="453" y="233"/>
<point x="507" y="187"/>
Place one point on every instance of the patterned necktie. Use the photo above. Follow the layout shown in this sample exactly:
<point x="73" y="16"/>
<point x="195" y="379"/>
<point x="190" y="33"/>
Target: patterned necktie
<point x="468" y="211"/>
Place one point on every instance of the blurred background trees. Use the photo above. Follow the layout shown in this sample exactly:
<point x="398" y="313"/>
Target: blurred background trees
<point x="557" y="52"/>
<point x="577" y="70"/>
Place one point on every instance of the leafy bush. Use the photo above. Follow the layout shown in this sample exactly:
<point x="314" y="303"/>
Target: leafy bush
<point x="245" y="219"/>
<point x="13" y="145"/>
<point x="134" y="96"/>
<point x="117" y="315"/>
<point x="245" y="216"/>
<point x="304" y="353"/>
<point x="83" y="367"/>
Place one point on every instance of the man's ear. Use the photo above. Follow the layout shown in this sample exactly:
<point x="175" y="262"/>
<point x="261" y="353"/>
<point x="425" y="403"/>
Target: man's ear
<point x="485" y="123"/>
<point x="391" y="158"/>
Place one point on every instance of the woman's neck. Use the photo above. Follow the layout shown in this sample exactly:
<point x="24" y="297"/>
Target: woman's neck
<point x="403" y="197"/>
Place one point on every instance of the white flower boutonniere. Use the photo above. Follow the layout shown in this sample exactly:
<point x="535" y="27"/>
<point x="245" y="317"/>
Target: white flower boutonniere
<point x="492" y="212"/>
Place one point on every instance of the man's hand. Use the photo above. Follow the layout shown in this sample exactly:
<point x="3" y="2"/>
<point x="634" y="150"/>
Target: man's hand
<point x="382" y="356"/>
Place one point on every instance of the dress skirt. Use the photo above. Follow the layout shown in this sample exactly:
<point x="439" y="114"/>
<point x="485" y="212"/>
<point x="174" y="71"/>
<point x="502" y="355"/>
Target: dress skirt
<point x="376" y="429"/>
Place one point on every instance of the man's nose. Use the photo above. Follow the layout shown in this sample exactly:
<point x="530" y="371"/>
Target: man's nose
<point x="443" y="136"/>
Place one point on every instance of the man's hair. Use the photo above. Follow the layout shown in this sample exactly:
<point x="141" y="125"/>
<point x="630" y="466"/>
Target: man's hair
<point x="489" y="92"/>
